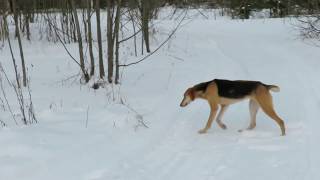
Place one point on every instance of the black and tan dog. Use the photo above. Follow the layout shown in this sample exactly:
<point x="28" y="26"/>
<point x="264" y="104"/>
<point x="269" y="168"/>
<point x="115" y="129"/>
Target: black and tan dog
<point x="224" y="92"/>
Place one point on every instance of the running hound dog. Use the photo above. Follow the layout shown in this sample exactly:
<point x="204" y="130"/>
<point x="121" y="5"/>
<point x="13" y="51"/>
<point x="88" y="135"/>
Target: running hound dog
<point x="225" y="92"/>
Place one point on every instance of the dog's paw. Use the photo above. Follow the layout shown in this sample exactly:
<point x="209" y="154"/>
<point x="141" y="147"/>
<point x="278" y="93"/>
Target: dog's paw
<point x="223" y="126"/>
<point x="202" y="131"/>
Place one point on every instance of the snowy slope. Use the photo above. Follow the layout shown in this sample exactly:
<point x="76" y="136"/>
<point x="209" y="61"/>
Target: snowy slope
<point x="116" y="146"/>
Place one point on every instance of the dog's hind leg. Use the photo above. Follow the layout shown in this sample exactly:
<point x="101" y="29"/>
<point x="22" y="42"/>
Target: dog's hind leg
<point x="264" y="99"/>
<point x="254" y="107"/>
<point x="220" y="115"/>
<point x="213" y="112"/>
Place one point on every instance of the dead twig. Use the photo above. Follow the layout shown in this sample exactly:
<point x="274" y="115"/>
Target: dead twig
<point x="87" y="120"/>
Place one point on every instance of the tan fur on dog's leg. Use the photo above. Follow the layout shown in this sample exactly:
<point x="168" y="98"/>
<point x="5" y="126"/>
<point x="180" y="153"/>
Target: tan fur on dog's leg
<point x="264" y="99"/>
<point x="254" y="107"/>
<point x="220" y="115"/>
<point x="213" y="112"/>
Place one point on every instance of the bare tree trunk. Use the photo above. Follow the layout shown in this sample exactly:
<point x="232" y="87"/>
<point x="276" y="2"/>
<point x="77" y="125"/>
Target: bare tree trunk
<point x="117" y="60"/>
<point x="116" y="40"/>
<point x="145" y="15"/>
<point x="62" y="21"/>
<point x="134" y="32"/>
<point x="85" y="24"/>
<point x="27" y="17"/>
<point x="90" y="37"/>
<point x="72" y="24"/>
<point x="13" y="58"/>
<point x="101" y="66"/>
<point x="79" y="38"/>
<point x="110" y="40"/>
<point x="16" y="20"/>
<point x="113" y="28"/>
<point x="142" y="45"/>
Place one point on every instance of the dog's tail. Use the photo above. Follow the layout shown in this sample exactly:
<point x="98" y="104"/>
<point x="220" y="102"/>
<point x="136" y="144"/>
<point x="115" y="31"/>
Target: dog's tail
<point x="273" y="88"/>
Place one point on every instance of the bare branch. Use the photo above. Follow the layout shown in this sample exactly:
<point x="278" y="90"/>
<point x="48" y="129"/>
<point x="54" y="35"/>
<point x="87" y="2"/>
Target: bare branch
<point x="60" y="40"/>
<point x="163" y="43"/>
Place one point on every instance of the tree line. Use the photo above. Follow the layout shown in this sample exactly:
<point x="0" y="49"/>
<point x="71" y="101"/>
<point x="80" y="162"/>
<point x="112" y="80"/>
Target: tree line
<point x="69" y="21"/>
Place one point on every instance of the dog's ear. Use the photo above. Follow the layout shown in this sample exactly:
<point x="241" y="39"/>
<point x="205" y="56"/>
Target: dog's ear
<point x="192" y="93"/>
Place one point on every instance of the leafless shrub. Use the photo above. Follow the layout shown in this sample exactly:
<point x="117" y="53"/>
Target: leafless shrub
<point x="310" y="27"/>
<point x="25" y="105"/>
<point x="3" y="93"/>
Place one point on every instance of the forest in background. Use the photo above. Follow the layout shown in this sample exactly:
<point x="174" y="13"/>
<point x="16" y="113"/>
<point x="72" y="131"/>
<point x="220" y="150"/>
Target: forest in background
<point x="70" y="21"/>
<point x="63" y="23"/>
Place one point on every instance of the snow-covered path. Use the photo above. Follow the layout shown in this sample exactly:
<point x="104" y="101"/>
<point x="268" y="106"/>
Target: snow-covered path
<point x="254" y="52"/>
<point x="60" y="147"/>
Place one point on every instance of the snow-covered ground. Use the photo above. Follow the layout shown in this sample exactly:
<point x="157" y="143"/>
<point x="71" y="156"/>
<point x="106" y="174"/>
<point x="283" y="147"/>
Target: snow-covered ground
<point x="115" y="144"/>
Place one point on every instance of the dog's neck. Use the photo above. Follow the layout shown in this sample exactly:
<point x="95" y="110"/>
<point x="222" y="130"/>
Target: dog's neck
<point x="199" y="94"/>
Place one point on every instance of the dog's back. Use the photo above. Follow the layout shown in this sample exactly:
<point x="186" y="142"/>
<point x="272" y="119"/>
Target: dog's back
<point x="230" y="89"/>
<point x="235" y="89"/>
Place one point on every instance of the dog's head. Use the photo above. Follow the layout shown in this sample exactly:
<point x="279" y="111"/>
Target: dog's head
<point x="188" y="97"/>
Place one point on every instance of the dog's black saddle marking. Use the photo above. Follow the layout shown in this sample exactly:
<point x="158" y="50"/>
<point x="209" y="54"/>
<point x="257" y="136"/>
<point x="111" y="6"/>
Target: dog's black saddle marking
<point x="231" y="89"/>
<point x="235" y="89"/>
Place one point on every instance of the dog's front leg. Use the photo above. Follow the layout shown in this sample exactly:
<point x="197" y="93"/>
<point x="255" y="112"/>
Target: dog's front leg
<point x="213" y="112"/>
<point x="220" y="115"/>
